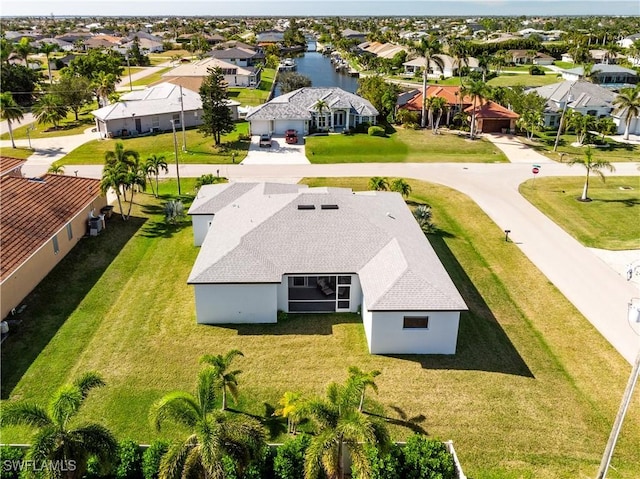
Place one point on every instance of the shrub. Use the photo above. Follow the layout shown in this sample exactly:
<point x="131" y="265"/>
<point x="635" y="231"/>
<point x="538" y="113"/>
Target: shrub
<point x="376" y="131"/>
<point x="129" y="460"/>
<point x="151" y="459"/>
<point x="12" y="455"/>
<point x="261" y="468"/>
<point x="384" y="465"/>
<point x="535" y="70"/>
<point x="362" y="127"/>
<point x="289" y="460"/>
<point x="173" y="211"/>
<point x="427" y="459"/>
<point x="424" y="217"/>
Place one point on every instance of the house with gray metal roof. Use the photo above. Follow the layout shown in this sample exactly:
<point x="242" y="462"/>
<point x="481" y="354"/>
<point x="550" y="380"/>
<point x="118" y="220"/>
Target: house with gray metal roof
<point x="269" y="247"/>
<point x="300" y="110"/>
<point x="152" y="110"/>
<point x="612" y="76"/>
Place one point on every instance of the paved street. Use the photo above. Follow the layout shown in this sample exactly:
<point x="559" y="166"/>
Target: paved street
<point x="599" y="291"/>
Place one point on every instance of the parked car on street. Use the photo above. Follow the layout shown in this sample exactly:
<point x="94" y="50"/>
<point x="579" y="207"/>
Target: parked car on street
<point x="265" y="140"/>
<point x="291" y="137"/>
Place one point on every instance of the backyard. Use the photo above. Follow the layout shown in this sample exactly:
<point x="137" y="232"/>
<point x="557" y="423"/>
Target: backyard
<point x="609" y="221"/>
<point x="531" y="392"/>
<point x="200" y="148"/>
<point x="403" y="145"/>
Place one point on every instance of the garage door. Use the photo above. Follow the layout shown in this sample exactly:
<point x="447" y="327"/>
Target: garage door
<point x="494" y="126"/>
<point x="260" y="127"/>
<point x="284" y="125"/>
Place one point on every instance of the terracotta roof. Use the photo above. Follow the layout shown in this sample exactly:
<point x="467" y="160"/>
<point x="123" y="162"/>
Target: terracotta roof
<point x="449" y="93"/>
<point x="492" y="110"/>
<point x="33" y="210"/>
<point x="8" y="164"/>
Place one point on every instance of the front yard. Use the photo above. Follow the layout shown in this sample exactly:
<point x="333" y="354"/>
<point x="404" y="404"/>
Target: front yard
<point x="613" y="151"/>
<point x="404" y="145"/>
<point x="610" y="221"/>
<point x="532" y="391"/>
<point x="200" y="149"/>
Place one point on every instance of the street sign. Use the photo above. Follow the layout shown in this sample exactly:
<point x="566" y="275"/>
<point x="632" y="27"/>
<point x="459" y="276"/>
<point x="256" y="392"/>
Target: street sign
<point x="535" y="170"/>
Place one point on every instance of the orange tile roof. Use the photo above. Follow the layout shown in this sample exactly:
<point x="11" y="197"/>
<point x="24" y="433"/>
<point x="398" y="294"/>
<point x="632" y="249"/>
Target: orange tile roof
<point x="448" y="92"/>
<point x="8" y="164"/>
<point x="492" y="110"/>
<point x="33" y="211"/>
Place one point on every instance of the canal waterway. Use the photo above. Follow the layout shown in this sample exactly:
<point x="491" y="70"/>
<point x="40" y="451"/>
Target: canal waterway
<point x="322" y="72"/>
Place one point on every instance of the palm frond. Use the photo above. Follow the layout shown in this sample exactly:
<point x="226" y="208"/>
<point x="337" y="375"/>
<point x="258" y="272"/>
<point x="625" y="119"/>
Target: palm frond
<point x="24" y="413"/>
<point x="89" y="381"/>
<point x="321" y="445"/>
<point x="206" y="389"/>
<point x="65" y="404"/>
<point x="96" y="440"/>
<point x="179" y="407"/>
<point x="172" y="462"/>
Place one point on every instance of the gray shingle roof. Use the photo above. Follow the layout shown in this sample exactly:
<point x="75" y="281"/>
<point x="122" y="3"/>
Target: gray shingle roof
<point x="260" y="235"/>
<point x="298" y="104"/>
<point x="584" y="94"/>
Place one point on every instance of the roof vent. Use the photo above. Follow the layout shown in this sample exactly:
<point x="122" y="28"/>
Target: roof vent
<point x="307" y="207"/>
<point x="329" y="207"/>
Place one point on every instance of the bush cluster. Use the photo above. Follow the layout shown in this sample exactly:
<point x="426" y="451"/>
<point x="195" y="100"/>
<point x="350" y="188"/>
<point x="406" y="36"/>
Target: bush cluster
<point x="376" y="131"/>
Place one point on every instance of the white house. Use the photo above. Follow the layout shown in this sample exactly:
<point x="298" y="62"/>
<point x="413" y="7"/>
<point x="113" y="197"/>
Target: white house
<point x="297" y="110"/>
<point x="605" y="74"/>
<point x="152" y="110"/>
<point x="267" y="247"/>
<point x="448" y="68"/>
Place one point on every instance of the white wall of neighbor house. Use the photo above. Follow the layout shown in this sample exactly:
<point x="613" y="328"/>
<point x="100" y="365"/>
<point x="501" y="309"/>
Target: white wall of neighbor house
<point x="236" y="303"/>
<point x="201" y="224"/>
<point x="389" y="336"/>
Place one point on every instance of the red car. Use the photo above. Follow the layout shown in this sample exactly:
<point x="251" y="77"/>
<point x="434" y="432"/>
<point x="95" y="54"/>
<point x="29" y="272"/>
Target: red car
<point x="291" y="137"/>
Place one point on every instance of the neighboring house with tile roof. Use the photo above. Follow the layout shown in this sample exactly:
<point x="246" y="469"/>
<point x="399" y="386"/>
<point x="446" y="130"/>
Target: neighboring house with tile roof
<point x="11" y="166"/>
<point x="267" y="247"/>
<point x="412" y="100"/>
<point x="234" y="75"/>
<point x="584" y="97"/>
<point x="493" y="118"/>
<point x="42" y="220"/>
<point x="296" y="110"/>
<point x="152" y="110"/>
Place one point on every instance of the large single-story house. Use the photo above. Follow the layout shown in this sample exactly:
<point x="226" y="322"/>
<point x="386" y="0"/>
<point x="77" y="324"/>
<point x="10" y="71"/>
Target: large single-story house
<point x="412" y="100"/>
<point x="298" y="110"/>
<point x="42" y="220"/>
<point x="152" y="110"/>
<point x="613" y="76"/>
<point x="269" y="247"/>
<point x="493" y="118"/>
<point x="524" y="57"/>
<point x="584" y="97"/>
<point x="234" y="75"/>
<point x="448" y="68"/>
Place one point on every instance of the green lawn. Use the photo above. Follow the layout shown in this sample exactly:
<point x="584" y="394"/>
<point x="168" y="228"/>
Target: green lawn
<point x="22" y="153"/>
<point x="68" y="126"/>
<point x="513" y="79"/>
<point x="565" y="65"/>
<point x="154" y="77"/>
<point x="610" y="221"/>
<point x="255" y="96"/>
<point x="531" y="393"/>
<point x="200" y="149"/>
<point x="404" y="145"/>
<point x="614" y="151"/>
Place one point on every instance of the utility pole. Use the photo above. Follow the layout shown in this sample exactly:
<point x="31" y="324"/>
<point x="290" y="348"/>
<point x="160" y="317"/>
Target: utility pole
<point x="184" y="135"/>
<point x="175" y="149"/>
<point x="564" y="111"/>
<point x="129" y="67"/>
<point x="634" y="321"/>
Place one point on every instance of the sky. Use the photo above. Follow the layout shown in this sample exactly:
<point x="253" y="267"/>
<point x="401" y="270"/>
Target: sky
<point x="319" y="8"/>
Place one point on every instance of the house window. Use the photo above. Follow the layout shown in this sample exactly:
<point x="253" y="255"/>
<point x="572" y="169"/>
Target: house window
<point x="415" y="322"/>
<point x="344" y="279"/>
<point x="155" y="122"/>
<point x="69" y="231"/>
<point x="321" y="121"/>
<point x="56" y="248"/>
<point x="176" y="119"/>
<point x="298" y="281"/>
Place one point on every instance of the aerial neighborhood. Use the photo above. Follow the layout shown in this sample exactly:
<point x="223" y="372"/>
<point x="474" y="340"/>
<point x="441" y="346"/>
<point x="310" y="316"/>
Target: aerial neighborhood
<point x="320" y="246"/>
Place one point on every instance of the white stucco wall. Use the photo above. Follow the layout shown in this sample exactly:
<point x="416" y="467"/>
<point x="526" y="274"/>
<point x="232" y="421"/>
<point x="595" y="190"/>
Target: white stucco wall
<point x="389" y="337"/>
<point x="200" y="228"/>
<point x="236" y="303"/>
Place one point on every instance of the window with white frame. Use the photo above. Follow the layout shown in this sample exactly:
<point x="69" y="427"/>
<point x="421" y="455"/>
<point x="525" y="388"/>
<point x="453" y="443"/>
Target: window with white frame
<point x="321" y="120"/>
<point x="155" y="122"/>
<point x="176" y="119"/>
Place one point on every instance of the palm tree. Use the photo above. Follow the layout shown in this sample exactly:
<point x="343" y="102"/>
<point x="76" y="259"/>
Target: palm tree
<point x="320" y="107"/>
<point x="581" y="124"/>
<point x="591" y="165"/>
<point x="153" y="166"/>
<point x="291" y="407"/>
<point x="57" y="439"/>
<point x="428" y="48"/>
<point x="459" y="50"/>
<point x="10" y="111"/>
<point x="134" y="179"/>
<point x="401" y="186"/>
<point x="363" y="379"/>
<point x="48" y="49"/>
<point x="114" y="177"/>
<point x="226" y="379"/>
<point x="120" y="155"/>
<point x="23" y="48"/>
<point x="628" y="101"/>
<point x="378" y="183"/>
<point x="215" y="435"/>
<point x="437" y="104"/>
<point x="50" y="109"/>
<point x="477" y="90"/>
<point x="339" y="425"/>
<point x="56" y="169"/>
<point x="104" y="85"/>
<point x="484" y="60"/>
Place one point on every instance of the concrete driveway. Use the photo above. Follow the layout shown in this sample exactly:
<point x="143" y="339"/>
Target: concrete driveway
<point x="279" y="154"/>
